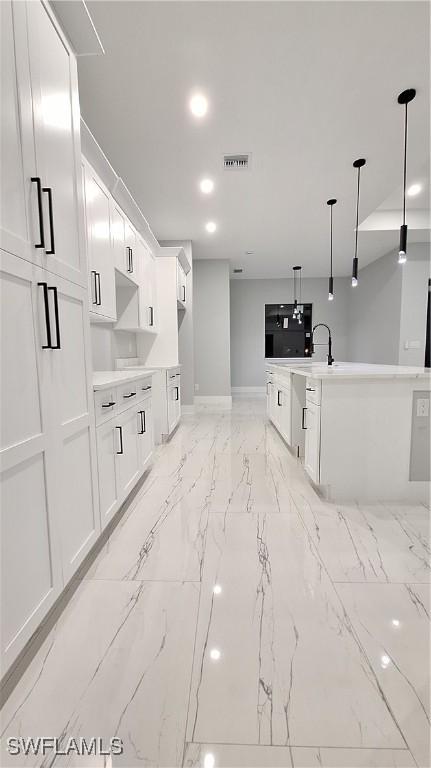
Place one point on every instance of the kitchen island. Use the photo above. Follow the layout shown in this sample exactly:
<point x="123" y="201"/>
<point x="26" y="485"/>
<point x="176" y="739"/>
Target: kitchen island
<point x="362" y="430"/>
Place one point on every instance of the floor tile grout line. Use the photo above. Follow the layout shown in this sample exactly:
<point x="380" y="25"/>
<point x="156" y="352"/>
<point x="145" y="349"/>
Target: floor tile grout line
<point x="297" y="746"/>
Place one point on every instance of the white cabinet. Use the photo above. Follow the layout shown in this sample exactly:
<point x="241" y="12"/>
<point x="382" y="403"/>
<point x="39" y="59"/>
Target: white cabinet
<point x="124" y="441"/>
<point x="279" y="407"/>
<point x="312" y="441"/>
<point x="130" y="244"/>
<point x="174" y="401"/>
<point x="148" y="314"/>
<point x="99" y="247"/>
<point x="181" y="284"/>
<point x="121" y="254"/>
<point x="49" y="520"/>
<point x="31" y="561"/>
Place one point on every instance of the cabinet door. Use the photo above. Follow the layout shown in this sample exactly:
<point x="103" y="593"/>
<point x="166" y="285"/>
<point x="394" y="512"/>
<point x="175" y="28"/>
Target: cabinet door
<point x="130" y="242"/>
<point x="145" y="429"/>
<point x="121" y="261"/>
<point x="109" y="498"/>
<point x="285" y="417"/>
<point x="174" y="406"/>
<point x="30" y="552"/>
<point x="312" y="442"/>
<point x="56" y="121"/>
<point x="127" y="451"/>
<point x="15" y="236"/>
<point x="74" y="422"/>
<point x="147" y="288"/>
<point x="100" y="252"/>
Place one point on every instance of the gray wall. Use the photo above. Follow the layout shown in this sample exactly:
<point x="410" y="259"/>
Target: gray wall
<point x="107" y="345"/>
<point x="247" y="306"/>
<point x="211" y="326"/>
<point x="388" y="309"/>
<point x="375" y="312"/>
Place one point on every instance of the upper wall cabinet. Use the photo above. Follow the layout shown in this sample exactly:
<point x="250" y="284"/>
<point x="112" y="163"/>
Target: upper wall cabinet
<point x="40" y="183"/>
<point x="99" y="247"/>
<point x="181" y="285"/>
<point x="148" y="314"/>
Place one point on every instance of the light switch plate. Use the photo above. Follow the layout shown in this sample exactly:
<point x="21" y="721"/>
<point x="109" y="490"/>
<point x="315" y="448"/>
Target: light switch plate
<point x="422" y="407"/>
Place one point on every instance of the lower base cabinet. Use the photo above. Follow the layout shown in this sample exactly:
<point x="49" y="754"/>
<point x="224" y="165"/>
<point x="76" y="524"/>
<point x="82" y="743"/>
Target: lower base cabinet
<point x="312" y="441"/>
<point x="124" y="449"/>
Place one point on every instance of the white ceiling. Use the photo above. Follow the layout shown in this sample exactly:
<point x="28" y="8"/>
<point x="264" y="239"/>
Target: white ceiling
<point x="306" y="87"/>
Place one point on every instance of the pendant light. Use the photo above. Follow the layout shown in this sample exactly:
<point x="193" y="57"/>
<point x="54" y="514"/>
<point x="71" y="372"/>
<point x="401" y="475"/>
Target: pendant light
<point x="404" y="98"/>
<point x="331" y="203"/>
<point x="297" y="292"/>
<point x="357" y="164"/>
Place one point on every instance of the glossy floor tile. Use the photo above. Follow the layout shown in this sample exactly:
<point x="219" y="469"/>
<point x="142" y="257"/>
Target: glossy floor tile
<point x="236" y="620"/>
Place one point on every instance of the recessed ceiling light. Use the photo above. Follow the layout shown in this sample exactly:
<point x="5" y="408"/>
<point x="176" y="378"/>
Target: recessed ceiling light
<point x="249" y="253"/>
<point x="198" y="105"/>
<point x="209" y="760"/>
<point x="217" y="589"/>
<point x="414" y="190"/>
<point x="210" y="226"/>
<point x="215" y="654"/>
<point x="207" y="186"/>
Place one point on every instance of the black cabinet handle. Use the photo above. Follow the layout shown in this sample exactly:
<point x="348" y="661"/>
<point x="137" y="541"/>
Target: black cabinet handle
<point x="144" y="389"/>
<point x="177" y="374"/>
<point x="99" y="302"/>
<point x="151" y="316"/>
<point x="48" y="191"/>
<point x="303" y="419"/>
<point x="131" y="259"/>
<point x="121" y="441"/>
<point x="173" y="377"/>
<point x="178" y="393"/>
<point x="143" y="423"/>
<point x="278" y="397"/>
<point x="184" y="293"/>
<point x="132" y="394"/>
<point x="36" y="180"/>
<point x="47" y="321"/>
<point x="94" y="274"/>
<point x="108" y="405"/>
<point x="57" y="320"/>
<point x="310" y="389"/>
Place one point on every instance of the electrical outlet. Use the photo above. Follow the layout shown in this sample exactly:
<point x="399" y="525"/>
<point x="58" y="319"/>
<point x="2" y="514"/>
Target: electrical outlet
<point x="422" y="407"/>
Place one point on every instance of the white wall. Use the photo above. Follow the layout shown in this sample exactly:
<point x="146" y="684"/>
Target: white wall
<point x="211" y="327"/>
<point x="247" y="307"/>
<point x="388" y="308"/>
<point x="107" y="345"/>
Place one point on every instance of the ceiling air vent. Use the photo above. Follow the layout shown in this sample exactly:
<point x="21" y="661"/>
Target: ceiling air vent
<point x="236" y="162"/>
<point x="238" y="271"/>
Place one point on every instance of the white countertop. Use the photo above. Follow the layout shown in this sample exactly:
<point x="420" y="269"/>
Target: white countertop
<point x="106" y="379"/>
<point x="340" y="370"/>
<point x="134" y="363"/>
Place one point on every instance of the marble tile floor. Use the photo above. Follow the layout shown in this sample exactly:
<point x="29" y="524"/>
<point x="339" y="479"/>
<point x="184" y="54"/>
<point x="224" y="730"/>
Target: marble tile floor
<point x="234" y="619"/>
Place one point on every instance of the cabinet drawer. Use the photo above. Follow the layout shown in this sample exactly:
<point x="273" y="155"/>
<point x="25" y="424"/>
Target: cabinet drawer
<point x="313" y="391"/>
<point x="173" y="377"/>
<point x="105" y="404"/>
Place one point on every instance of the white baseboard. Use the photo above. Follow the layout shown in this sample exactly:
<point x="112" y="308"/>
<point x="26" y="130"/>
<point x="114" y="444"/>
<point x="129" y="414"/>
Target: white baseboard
<point x="214" y="401"/>
<point x="187" y="409"/>
<point x="252" y="391"/>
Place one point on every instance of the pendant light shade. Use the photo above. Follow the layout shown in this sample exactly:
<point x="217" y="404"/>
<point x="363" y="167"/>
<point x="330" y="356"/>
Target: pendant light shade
<point x="331" y="203"/>
<point x="357" y="164"/>
<point x="404" y="98"/>
<point x="297" y="294"/>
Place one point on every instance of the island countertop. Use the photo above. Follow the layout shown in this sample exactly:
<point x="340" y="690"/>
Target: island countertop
<point x="344" y="370"/>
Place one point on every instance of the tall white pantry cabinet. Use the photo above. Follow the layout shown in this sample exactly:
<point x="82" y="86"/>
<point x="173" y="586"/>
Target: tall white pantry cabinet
<point x="49" y="514"/>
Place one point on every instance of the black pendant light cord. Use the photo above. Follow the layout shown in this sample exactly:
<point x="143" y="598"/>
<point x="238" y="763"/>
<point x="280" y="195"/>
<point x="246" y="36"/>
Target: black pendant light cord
<point x="331" y="240"/>
<point x="405" y="166"/>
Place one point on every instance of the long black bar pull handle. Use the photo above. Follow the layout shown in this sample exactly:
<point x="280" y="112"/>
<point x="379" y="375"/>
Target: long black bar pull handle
<point x="99" y="301"/>
<point x="303" y="425"/>
<point x="48" y="191"/>
<point x="94" y="274"/>
<point x="57" y="345"/>
<point x="121" y="441"/>
<point x="47" y="320"/>
<point x="178" y="393"/>
<point x="278" y="397"/>
<point x="143" y="423"/>
<point x="36" y="180"/>
<point x="151" y="315"/>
